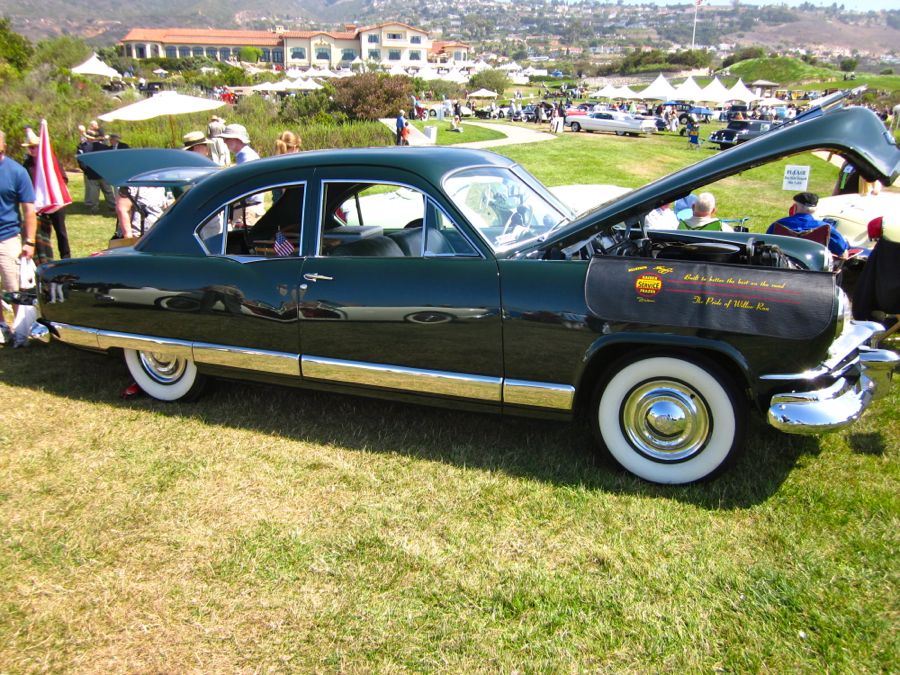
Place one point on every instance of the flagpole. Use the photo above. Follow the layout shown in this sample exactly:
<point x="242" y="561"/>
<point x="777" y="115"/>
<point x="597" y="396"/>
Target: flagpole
<point x="694" y="33"/>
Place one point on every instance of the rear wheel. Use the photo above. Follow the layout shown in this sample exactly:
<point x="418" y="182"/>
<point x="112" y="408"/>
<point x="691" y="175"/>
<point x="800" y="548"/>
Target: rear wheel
<point x="576" y="127"/>
<point x="164" y="377"/>
<point x="668" y="419"/>
<point x="620" y="133"/>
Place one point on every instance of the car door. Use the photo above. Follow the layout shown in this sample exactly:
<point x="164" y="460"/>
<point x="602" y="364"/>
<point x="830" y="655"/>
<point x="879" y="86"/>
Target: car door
<point x="395" y="295"/>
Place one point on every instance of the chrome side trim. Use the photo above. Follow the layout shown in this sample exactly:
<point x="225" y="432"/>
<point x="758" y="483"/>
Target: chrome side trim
<point x="538" y="394"/>
<point x="400" y="377"/>
<point x="246" y="358"/>
<point x="178" y="348"/>
<point x="75" y="335"/>
<point x="279" y="363"/>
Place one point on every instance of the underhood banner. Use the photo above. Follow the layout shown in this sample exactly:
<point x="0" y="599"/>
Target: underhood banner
<point x="793" y="304"/>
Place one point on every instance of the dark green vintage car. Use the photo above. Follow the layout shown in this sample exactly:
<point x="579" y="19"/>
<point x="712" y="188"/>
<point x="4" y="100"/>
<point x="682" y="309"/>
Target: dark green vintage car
<point x="453" y="277"/>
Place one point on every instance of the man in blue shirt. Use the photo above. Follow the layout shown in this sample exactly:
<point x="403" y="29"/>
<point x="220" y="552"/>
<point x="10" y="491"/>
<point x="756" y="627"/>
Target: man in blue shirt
<point x="401" y="122"/>
<point x="803" y="220"/>
<point x="16" y="192"/>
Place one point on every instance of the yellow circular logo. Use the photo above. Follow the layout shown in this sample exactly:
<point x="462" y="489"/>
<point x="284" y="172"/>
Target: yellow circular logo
<point x="648" y="284"/>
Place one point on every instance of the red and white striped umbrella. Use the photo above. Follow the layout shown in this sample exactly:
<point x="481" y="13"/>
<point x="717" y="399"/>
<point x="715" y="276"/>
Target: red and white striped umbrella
<point x="50" y="190"/>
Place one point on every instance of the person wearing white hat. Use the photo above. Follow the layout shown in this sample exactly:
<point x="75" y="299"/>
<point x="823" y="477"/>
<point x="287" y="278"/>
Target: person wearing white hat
<point x="238" y="142"/>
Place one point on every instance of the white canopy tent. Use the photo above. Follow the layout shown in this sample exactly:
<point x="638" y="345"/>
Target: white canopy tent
<point x="94" y="66"/>
<point x="304" y="85"/>
<point x="715" y="92"/>
<point x="510" y="67"/>
<point x="659" y="90"/>
<point x="739" y="92"/>
<point x="688" y="90"/>
<point x="483" y="93"/>
<point x="626" y="92"/>
<point x="771" y="100"/>
<point x="428" y="74"/>
<point x="609" y="91"/>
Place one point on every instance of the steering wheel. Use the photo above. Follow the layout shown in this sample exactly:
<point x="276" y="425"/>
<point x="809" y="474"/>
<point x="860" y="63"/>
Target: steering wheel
<point x="521" y="217"/>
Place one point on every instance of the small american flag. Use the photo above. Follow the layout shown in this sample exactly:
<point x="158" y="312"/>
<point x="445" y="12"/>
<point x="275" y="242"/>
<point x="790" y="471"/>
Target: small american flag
<point x="283" y="247"/>
<point x="698" y="2"/>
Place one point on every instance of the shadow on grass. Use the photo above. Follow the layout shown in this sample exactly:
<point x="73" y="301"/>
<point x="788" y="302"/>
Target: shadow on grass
<point x="558" y="453"/>
<point x="870" y="443"/>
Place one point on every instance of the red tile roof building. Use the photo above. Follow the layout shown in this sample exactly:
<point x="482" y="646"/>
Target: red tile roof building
<point x="389" y="44"/>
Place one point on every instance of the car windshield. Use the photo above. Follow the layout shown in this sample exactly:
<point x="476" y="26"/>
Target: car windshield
<point x="506" y="207"/>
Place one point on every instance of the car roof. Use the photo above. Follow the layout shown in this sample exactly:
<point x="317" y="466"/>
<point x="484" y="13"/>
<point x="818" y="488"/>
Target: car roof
<point x="430" y="164"/>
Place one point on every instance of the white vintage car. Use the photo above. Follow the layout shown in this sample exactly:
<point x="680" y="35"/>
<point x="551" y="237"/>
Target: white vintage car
<point x="863" y="219"/>
<point x="611" y="121"/>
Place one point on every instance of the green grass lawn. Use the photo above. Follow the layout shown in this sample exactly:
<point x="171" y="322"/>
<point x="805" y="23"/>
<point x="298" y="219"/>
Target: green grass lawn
<point x="469" y="134"/>
<point x="271" y="529"/>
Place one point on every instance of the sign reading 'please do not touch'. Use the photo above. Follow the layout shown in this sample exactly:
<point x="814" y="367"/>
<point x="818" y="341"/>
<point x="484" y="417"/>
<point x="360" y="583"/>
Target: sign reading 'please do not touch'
<point x="796" y="178"/>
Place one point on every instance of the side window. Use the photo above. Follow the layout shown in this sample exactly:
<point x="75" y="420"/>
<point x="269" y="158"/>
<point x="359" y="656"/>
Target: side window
<point x="265" y="224"/>
<point x="385" y="220"/>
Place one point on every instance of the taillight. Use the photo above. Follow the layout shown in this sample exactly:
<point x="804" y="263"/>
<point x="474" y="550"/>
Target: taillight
<point x="875" y="228"/>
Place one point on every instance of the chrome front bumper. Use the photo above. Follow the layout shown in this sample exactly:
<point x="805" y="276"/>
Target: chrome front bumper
<point x="860" y="380"/>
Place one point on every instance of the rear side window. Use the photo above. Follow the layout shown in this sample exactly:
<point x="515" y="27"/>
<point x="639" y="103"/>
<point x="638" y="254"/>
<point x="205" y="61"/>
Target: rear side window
<point x="265" y="224"/>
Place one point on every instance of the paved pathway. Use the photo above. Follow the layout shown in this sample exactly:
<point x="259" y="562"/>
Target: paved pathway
<point x="514" y="134"/>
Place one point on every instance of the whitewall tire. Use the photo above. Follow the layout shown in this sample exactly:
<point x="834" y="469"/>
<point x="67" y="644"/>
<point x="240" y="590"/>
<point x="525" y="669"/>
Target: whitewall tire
<point x="669" y="419"/>
<point x="164" y="377"/>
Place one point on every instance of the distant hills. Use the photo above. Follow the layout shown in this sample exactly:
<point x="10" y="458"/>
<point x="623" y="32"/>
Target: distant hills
<point x="776" y="27"/>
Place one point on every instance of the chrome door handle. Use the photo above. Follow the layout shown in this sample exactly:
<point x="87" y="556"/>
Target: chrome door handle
<point x="312" y="276"/>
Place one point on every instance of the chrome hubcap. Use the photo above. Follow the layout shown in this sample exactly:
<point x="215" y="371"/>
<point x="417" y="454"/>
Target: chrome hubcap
<point x="666" y="420"/>
<point x="163" y="368"/>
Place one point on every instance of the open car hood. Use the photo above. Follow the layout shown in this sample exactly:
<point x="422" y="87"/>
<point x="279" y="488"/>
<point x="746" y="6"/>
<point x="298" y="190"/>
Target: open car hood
<point x="149" y="166"/>
<point x="855" y="133"/>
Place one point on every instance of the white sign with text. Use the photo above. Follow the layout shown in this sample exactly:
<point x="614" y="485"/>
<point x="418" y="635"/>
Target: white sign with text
<point x="796" y="178"/>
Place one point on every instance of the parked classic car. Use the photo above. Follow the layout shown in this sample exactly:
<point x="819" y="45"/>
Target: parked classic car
<point x="740" y="131"/>
<point x="686" y="110"/>
<point x="863" y="219"/>
<point x="611" y="121"/>
<point x="452" y="277"/>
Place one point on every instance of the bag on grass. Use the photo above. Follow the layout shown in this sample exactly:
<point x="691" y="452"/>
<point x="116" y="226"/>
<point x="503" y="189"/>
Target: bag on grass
<point x="25" y="314"/>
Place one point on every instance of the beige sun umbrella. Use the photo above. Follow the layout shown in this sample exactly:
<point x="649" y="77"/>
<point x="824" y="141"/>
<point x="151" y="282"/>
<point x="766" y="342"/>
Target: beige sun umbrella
<point x="164" y="103"/>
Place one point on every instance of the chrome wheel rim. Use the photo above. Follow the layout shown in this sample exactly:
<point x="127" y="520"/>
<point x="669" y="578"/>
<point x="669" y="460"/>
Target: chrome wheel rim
<point x="665" y="420"/>
<point x="163" y="368"/>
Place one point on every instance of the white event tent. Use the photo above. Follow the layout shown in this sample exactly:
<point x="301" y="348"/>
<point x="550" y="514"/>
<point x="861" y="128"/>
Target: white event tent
<point x="715" y="92"/>
<point x="739" y="92"/>
<point x="659" y="90"/>
<point x="688" y="91"/>
<point x="94" y="66"/>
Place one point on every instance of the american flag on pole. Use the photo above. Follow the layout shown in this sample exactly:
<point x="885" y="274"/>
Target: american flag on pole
<point x="698" y="2"/>
<point x="283" y="247"/>
<point x="50" y="191"/>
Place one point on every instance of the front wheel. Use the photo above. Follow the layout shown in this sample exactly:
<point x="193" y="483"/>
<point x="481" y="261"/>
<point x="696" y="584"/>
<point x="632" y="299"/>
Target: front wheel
<point x="668" y="419"/>
<point x="164" y="377"/>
